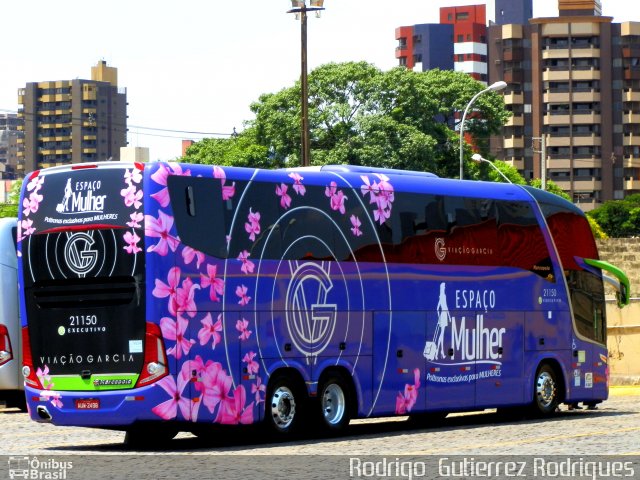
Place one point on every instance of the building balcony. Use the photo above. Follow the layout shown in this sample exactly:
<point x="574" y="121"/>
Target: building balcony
<point x="633" y="118"/>
<point x="554" y="52"/>
<point x="592" y="140"/>
<point x="557" y="119"/>
<point x="631" y="162"/>
<point x="58" y="97"/>
<point x="631" y="184"/>
<point x="513" y="142"/>
<point x="586" y="97"/>
<point x="556" y="75"/>
<point x="631" y="96"/>
<point x="586" y="74"/>
<point x="89" y="150"/>
<point x="586" y="118"/>
<point x="513" y="98"/>
<point x="515" y="121"/>
<point x="631" y="140"/>
<point x="591" y="185"/>
<point x="588" y="52"/>
<point x="89" y="137"/>
<point x="562" y="97"/>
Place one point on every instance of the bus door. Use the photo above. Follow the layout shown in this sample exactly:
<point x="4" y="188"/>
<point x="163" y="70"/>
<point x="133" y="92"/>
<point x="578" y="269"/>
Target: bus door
<point x="451" y="368"/>
<point x="499" y="358"/>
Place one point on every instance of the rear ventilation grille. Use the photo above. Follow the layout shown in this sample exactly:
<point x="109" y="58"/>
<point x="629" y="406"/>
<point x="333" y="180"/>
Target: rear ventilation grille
<point x="88" y="292"/>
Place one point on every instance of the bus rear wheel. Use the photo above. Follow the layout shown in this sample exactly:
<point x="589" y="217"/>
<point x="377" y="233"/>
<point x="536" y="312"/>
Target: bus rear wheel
<point x="546" y="391"/>
<point x="335" y="403"/>
<point x="284" y="409"/>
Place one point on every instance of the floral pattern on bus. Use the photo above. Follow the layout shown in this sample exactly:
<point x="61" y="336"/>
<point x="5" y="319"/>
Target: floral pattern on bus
<point x="132" y="196"/>
<point x="30" y="205"/>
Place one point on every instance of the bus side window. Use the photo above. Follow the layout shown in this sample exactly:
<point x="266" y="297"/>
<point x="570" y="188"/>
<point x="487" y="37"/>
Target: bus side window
<point x="199" y="213"/>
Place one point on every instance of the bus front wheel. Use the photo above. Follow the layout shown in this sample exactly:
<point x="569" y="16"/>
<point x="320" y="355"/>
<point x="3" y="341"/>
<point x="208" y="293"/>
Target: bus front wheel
<point x="285" y="406"/>
<point x="546" y="391"/>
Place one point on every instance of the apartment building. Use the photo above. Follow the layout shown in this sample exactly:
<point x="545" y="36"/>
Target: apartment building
<point x="73" y="121"/>
<point x="9" y="138"/>
<point x="574" y="79"/>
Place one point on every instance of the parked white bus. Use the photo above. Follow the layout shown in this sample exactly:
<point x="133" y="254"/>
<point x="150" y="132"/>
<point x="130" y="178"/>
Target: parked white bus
<point x="11" y="381"/>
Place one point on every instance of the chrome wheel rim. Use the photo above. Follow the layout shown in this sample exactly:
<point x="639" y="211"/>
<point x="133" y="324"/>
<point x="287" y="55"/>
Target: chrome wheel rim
<point x="333" y="404"/>
<point x="546" y="389"/>
<point x="283" y="408"/>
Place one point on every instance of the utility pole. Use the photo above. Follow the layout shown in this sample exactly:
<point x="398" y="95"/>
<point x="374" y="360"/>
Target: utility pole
<point x="543" y="158"/>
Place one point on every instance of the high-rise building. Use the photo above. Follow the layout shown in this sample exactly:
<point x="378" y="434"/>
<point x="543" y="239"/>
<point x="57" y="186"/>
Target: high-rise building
<point x="574" y="79"/>
<point x="458" y="42"/>
<point x="513" y="11"/>
<point x="10" y="142"/>
<point x="73" y="121"/>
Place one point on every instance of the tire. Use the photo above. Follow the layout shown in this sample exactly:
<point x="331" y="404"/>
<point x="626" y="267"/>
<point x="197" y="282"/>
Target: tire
<point x="335" y="403"/>
<point x="546" y="391"/>
<point x="284" y="407"/>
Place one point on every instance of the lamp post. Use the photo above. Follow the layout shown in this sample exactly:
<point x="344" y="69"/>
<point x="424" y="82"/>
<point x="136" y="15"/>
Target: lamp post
<point x="491" y="88"/>
<point x="476" y="157"/>
<point x="299" y="7"/>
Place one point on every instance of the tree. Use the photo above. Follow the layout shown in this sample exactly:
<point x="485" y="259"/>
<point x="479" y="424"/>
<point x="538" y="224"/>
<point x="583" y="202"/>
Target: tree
<point x="361" y="115"/>
<point x="619" y="218"/>
<point x="10" y="209"/>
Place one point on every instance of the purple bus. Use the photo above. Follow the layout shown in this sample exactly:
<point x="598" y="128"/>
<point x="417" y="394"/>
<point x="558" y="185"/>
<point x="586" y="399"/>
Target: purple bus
<point x="170" y="297"/>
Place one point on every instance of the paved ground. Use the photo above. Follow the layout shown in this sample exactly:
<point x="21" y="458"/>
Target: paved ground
<point x="613" y="429"/>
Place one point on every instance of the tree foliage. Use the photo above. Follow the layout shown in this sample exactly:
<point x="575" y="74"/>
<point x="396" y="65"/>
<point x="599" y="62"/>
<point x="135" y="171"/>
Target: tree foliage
<point x="10" y="209"/>
<point x="619" y="218"/>
<point x="361" y="115"/>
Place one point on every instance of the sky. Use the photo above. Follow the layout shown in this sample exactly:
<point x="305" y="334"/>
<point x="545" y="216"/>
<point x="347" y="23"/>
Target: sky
<point x="197" y="66"/>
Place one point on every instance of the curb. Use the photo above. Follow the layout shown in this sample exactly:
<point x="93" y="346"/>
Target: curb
<point x="624" y="390"/>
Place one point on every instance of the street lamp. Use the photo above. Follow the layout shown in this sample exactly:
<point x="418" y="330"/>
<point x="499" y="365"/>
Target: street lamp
<point x="476" y="157"/>
<point x="491" y="88"/>
<point x="299" y="7"/>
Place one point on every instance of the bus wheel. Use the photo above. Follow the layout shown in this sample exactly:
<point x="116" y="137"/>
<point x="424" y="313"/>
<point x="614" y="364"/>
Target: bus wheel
<point x="335" y="403"/>
<point x="284" y="410"/>
<point x="546" y="394"/>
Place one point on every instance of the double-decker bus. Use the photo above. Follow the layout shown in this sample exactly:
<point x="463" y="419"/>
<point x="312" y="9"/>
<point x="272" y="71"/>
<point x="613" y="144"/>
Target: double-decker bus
<point x="170" y="297"/>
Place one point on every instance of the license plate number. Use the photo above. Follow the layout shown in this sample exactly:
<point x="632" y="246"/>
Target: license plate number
<point x="87" y="404"/>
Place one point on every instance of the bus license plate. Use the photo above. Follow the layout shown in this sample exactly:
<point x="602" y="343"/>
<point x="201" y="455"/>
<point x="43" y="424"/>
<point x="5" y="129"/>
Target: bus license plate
<point x="87" y="404"/>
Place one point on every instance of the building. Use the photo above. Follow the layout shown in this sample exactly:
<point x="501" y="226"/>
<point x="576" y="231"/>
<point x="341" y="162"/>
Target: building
<point x="458" y="42"/>
<point x="10" y="142"/>
<point x="134" y="154"/>
<point x="574" y="79"/>
<point x="513" y="12"/>
<point x="73" y="121"/>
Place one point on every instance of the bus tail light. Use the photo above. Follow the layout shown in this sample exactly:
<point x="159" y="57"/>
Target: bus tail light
<point x="155" y="358"/>
<point x="6" y="353"/>
<point x="30" y="377"/>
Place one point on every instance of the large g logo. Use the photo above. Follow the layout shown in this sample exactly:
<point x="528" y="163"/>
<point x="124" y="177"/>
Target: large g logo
<point x="310" y="319"/>
<point x="441" y="251"/>
<point x="78" y="255"/>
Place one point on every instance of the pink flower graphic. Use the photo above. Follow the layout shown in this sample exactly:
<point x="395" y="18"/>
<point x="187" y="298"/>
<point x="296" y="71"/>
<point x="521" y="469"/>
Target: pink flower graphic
<point x="54" y="397"/>
<point x="233" y="412"/>
<point x="247" y="265"/>
<point x="26" y="228"/>
<point x="215" y="385"/>
<point x="298" y="187"/>
<point x="242" y="326"/>
<point x="252" y="365"/>
<point x="175" y="331"/>
<point x="132" y="240"/>
<point x="35" y="184"/>
<point x="132" y="176"/>
<point x="44" y="377"/>
<point x="169" y="289"/>
<point x="169" y="409"/>
<point x="241" y="291"/>
<point x="185" y="297"/>
<point x="381" y="194"/>
<point x="136" y="218"/>
<point x="285" y="199"/>
<point x="258" y="389"/>
<point x="228" y="191"/>
<point x="188" y="254"/>
<point x="337" y="197"/>
<point x="210" y="330"/>
<point x="355" y="221"/>
<point x="253" y="225"/>
<point x="216" y="284"/>
<point x="160" y="228"/>
<point x="31" y="204"/>
<point x="132" y="196"/>
<point x="160" y="177"/>
<point x="406" y="401"/>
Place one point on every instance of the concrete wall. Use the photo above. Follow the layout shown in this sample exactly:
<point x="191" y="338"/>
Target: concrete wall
<point x="623" y="325"/>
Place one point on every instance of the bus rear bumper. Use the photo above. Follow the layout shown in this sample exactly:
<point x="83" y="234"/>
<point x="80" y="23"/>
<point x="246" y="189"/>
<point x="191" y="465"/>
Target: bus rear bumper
<point x="117" y="408"/>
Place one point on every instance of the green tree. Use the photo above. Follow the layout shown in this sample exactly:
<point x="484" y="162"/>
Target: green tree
<point x="361" y="115"/>
<point x="619" y="218"/>
<point x="10" y="209"/>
